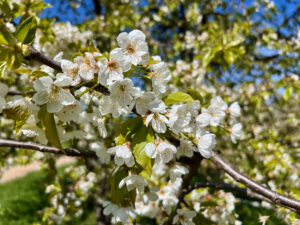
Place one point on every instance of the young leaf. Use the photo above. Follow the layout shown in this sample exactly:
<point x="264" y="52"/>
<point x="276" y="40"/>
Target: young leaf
<point x="117" y="194"/>
<point x="178" y="97"/>
<point x="287" y="94"/>
<point x="195" y="94"/>
<point x="4" y="7"/>
<point x="26" y="30"/>
<point x="49" y="127"/>
<point x="143" y="136"/>
<point x="18" y="113"/>
<point x="126" y="128"/>
<point x="6" y="36"/>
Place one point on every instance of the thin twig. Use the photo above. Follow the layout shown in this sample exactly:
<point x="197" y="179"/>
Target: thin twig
<point x="273" y="196"/>
<point x="47" y="149"/>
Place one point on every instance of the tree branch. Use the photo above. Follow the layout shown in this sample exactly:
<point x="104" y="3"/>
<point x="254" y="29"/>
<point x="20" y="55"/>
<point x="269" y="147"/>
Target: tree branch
<point x="223" y="186"/>
<point x="47" y="149"/>
<point x="273" y="196"/>
<point x="12" y="93"/>
<point x="38" y="56"/>
<point x="259" y="191"/>
<point x="97" y="7"/>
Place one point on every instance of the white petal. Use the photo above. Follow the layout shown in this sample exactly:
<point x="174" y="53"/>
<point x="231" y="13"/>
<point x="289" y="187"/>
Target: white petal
<point x="63" y="80"/>
<point x="203" y="119"/>
<point x="130" y="162"/>
<point x="150" y="150"/>
<point x="41" y="97"/>
<point x="43" y="83"/>
<point x="137" y="34"/>
<point x="158" y="125"/>
<point x="3" y="89"/>
<point x="122" y="39"/>
<point x="235" y="109"/>
<point x="148" y="119"/>
<point x="54" y="105"/>
<point x="65" y="97"/>
<point x="2" y="103"/>
<point x="119" y="161"/>
<point x="157" y="106"/>
<point x="116" y="54"/>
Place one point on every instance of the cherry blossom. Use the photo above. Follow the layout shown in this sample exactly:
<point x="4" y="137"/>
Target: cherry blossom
<point x="123" y="155"/>
<point x="112" y="70"/>
<point x="162" y="153"/>
<point x="133" y="45"/>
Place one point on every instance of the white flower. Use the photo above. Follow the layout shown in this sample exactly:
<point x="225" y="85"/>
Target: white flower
<point x="236" y="132"/>
<point x="101" y="152"/>
<point x="134" y="181"/>
<point x="107" y="105"/>
<point x="216" y="110"/>
<point x="235" y="110"/>
<point x="70" y="73"/>
<point x="179" y="118"/>
<point x="120" y="214"/>
<point x="160" y="76"/>
<point x="186" y="148"/>
<point x="218" y="103"/>
<point x="177" y="171"/>
<point x="206" y="143"/>
<point x="112" y="70"/>
<point x="133" y="45"/>
<point x="55" y="97"/>
<point x="87" y="65"/>
<point x="70" y="112"/>
<point x="158" y="122"/>
<point x="124" y="92"/>
<point x="163" y="152"/>
<point x="150" y="195"/>
<point x="142" y="102"/>
<point x="185" y="217"/>
<point x="122" y="155"/>
<point x="3" y="92"/>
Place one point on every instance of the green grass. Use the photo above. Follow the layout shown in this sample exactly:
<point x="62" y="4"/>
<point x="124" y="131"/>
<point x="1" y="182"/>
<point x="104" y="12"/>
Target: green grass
<point x="22" y="199"/>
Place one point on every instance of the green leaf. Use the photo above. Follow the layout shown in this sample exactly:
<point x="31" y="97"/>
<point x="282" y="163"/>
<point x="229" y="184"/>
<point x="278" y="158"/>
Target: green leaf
<point x="152" y="61"/>
<point x="13" y="60"/>
<point x="4" y="7"/>
<point x="132" y="197"/>
<point x="49" y="127"/>
<point x="178" y="97"/>
<point x="195" y="94"/>
<point x="287" y="94"/>
<point x="39" y="73"/>
<point x="39" y="5"/>
<point x="18" y="113"/>
<point x="26" y="30"/>
<point x="117" y="194"/>
<point x="229" y="57"/>
<point x="143" y="136"/>
<point x="2" y="69"/>
<point x="6" y="37"/>
<point x="126" y="128"/>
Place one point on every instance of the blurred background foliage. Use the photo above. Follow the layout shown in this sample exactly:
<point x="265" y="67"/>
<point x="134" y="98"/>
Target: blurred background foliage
<point x="243" y="50"/>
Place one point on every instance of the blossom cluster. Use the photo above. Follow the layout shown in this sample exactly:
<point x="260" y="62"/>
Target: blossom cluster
<point x="63" y="95"/>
